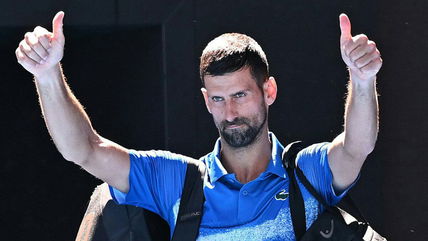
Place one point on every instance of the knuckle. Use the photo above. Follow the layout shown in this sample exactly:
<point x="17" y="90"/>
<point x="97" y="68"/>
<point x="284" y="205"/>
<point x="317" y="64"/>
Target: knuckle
<point x="40" y="32"/>
<point x="372" y="45"/>
<point x="377" y="54"/>
<point x="27" y="41"/>
<point x="38" y="29"/>
<point x="362" y="38"/>
<point x="348" y="52"/>
<point x="26" y="50"/>
<point x="18" y="56"/>
<point x="359" y="63"/>
<point x="353" y="56"/>
<point x="21" y="47"/>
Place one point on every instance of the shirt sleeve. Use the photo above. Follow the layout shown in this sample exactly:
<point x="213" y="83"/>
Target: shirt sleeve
<point x="156" y="179"/>
<point x="313" y="161"/>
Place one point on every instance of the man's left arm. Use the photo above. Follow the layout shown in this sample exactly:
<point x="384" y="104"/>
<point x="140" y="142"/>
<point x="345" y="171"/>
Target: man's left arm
<point x="349" y="150"/>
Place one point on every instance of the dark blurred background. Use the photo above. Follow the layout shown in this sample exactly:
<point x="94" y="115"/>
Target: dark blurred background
<point x="134" y="66"/>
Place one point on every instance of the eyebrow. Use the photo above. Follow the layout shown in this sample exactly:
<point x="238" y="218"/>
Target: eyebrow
<point x="241" y="91"/>
<point x="231" y="95"/>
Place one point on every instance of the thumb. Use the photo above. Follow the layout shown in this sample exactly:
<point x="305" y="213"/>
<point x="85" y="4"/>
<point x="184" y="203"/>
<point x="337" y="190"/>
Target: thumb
<point x="57" y="25"/>
<point x="345" y="28"/>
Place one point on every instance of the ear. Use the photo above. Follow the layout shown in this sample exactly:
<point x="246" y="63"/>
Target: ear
<point x="270" y="90"/>
<point x="205" y="94"/>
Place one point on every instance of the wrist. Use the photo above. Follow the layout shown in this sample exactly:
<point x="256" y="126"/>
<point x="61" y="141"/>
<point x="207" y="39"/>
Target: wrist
<point x="361" y="81"/>
<point x="50" y="75"/>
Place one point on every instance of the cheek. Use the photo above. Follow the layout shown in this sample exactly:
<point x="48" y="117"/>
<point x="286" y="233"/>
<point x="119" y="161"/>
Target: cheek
<point x="217" y="115"/>
<point x="217" y="109"/>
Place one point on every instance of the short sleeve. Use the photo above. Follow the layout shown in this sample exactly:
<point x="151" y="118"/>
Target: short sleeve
<point x="313" y="161"/>
<point x="155" y="181"/>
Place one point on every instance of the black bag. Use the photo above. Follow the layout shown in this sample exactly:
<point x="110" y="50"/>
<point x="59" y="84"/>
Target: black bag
<point x="334" y="223"/>
<point x="105" y="220"/>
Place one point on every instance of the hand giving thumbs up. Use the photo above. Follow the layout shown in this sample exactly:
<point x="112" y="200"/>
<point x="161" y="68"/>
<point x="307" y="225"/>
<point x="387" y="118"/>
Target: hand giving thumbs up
<point x="42" y="50"/>
<point x="358" y="52"/>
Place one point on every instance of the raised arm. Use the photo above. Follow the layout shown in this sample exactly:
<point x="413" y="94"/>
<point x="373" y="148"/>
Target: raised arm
<point x="350" y="149"/>
<point x="69" y="126"/>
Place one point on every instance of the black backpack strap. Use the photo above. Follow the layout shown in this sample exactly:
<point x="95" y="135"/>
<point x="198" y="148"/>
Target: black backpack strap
<point x="297" y="205"/>
<point x="309" y="187"/>
<point x="191" y="204"/>
<point x="346" y="200"/>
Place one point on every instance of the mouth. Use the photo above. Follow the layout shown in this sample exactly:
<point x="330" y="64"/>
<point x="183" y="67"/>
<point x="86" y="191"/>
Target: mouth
<point x="234" y="126"/>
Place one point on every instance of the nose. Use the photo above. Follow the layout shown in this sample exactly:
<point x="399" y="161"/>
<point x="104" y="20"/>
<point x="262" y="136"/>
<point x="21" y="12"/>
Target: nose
<point x="231" y="111"/>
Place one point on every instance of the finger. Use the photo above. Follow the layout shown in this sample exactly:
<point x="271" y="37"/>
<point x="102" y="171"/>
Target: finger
<point x="358" y="40"/>
<point x="366" y="59"/>
<point x="362" y="50"/>
<point x="25" y="48"/>
<point x="57" y="24"/>
<point x="33" y="42"/>
<point x="373" y="67"/>
<point x="44" y="36"/>
<point x="24" y="60"/>
<point x="345" y="28"/>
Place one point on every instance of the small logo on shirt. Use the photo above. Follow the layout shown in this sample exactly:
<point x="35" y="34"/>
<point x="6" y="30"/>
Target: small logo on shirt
<point x="282" y="195"/>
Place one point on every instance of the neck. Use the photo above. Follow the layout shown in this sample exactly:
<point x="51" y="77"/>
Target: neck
<point x="247" y="162"/>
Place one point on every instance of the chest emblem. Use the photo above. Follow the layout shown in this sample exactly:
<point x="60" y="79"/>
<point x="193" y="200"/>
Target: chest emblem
<point x="282" y="195"/>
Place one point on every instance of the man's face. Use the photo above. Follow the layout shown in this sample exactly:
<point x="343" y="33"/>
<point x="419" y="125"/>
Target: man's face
<point x="237" y="105"/>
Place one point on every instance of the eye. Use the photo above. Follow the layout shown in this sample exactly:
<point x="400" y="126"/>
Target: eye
<point x="217" y="98"/>
<point x="239" y="95"/>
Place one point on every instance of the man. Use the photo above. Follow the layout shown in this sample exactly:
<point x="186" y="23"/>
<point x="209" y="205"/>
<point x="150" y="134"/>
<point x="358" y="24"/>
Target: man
<point x="246" y="186"/>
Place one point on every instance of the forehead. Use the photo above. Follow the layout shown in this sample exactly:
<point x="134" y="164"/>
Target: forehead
<point x="231" y="82"/>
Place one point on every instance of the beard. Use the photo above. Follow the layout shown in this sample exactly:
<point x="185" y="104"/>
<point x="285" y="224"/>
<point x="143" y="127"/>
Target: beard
<point x="246" y="134"/>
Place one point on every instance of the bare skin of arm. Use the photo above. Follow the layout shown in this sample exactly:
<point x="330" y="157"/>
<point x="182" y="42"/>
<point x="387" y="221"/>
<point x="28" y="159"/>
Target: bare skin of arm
<point x="350" y="149"/>
<point x="69" y="126"/>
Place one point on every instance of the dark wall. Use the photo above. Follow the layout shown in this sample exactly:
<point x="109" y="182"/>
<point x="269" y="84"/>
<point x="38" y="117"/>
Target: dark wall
<point x="134" y="66"/>
<point x="404" y="132"/>
<point x="45" y="195"/>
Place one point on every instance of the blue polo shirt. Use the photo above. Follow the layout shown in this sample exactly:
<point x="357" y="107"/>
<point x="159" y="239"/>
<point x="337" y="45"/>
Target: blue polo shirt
<point x="258" y="210"/>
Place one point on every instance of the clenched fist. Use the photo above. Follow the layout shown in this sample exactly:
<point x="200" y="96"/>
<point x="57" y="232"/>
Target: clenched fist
<point x="40" y="51"/>
<point x="359" y="53"/>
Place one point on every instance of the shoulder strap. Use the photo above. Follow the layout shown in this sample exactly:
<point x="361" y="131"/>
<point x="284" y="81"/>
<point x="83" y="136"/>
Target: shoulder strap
<point x="297" y="205"/>
<point x="191" y="204"/>
<point x="291" y="151"/>
<point x="309" y="186"/>
<point x="346" y="200"/>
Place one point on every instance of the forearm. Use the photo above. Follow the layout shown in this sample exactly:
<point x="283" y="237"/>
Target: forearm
<point x="65" y="118"/>
<point x="361" y="117"/>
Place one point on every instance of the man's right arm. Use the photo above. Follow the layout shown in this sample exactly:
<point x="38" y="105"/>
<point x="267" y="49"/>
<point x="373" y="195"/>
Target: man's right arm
<point x="68" y="124"/>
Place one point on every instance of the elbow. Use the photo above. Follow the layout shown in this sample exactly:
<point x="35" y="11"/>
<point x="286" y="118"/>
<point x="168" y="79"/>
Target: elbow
<point x="79" y="153"/>
<point x="73" y="157"/>
<point x="360" y="152"/>
<point x="361" y="147"/>
<point x="369" y="146"/>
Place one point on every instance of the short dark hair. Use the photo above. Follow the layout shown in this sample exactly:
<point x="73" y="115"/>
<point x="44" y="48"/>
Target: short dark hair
<point x="230" y="52"/>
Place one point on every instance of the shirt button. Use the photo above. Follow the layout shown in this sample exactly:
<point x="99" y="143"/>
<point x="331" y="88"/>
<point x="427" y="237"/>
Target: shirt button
<point x="245" y="192"/>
